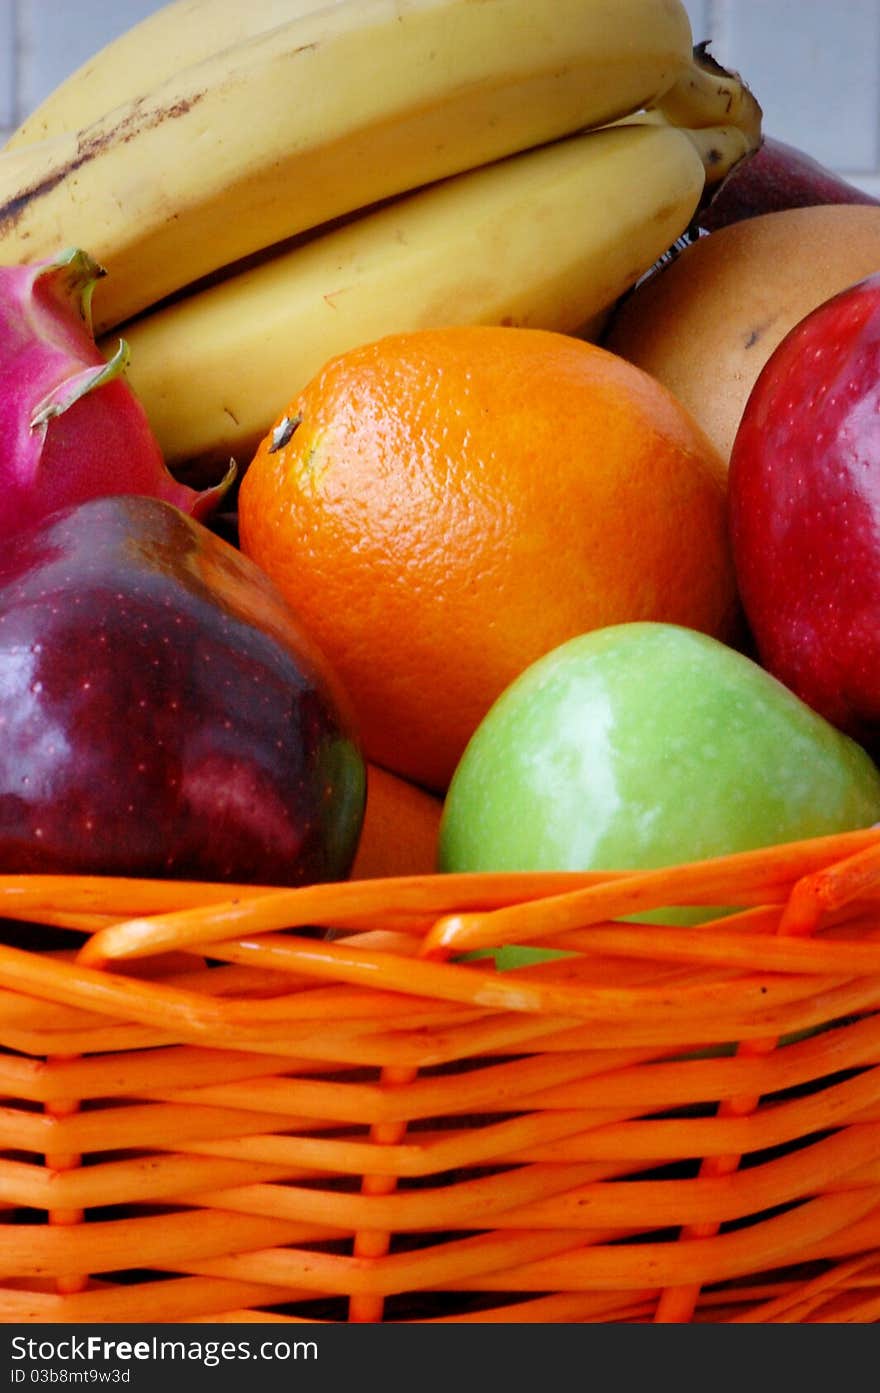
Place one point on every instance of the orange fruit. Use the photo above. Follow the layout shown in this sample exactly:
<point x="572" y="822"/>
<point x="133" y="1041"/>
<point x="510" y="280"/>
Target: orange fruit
<point x="401" y="830"/>
<point x="442" y="507"/>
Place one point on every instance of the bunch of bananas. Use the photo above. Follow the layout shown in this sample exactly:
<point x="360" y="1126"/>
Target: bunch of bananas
<point x="268" y="184"/>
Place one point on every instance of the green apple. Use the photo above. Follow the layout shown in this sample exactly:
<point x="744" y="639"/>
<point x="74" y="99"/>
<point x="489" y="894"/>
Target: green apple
<point x="643" y="745"/>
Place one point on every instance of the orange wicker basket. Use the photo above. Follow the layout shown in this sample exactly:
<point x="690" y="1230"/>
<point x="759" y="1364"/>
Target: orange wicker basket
<point x="213" y="1112"/>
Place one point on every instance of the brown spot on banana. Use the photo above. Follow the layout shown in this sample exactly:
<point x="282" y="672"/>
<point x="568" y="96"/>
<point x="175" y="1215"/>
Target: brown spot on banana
<point x="720" y="148"/>
<point x="89" y="147"/>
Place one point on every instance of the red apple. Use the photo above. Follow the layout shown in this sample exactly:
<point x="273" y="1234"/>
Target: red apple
<point x="162" y="713"/>
<point x="775" y="177"/>
<point x="805" y="510"/>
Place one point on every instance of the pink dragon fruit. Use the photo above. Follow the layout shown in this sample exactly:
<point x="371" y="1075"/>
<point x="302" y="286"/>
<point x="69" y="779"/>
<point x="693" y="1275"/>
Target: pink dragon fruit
<point x="71" y="427"/>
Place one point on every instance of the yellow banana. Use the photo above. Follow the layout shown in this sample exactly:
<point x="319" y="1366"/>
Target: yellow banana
<point x="548" y="238"/>
<point x="719" y="147"/>
<point x="705" y="94"/>
<point x="149" y="53"/>
<point x="716" y="108"/>
<point x="320" y="117"/>
<point x="720" y="113"/>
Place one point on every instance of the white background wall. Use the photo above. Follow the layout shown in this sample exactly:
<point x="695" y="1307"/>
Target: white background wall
<point x="813" y="64"/>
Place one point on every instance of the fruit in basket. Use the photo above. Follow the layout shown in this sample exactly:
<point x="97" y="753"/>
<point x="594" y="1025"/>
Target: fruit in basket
<point x="176" y="35"/>
<point x="805" y="510"/>
<point x="775" y="177"/>
<point x="644" y="745"/>
<point x="707" y="323"/>
<point x="233" y="294"/>
<point x="443" y="507"/>
<point x="400" y="830"/>
<point x="389" y="98"/>
<point x="72" y="427"/>
<point x="163" y="712"/>
<point x="514" y="242"/>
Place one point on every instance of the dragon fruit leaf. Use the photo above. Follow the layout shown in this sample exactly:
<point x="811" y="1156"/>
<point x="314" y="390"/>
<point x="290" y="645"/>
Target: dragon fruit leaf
<point x="62" y="397"/>
<point x="71" y="425"/>
<point x="56" y="295"/>
<point x="207" y="500"/>
<point x="75" y="274"/>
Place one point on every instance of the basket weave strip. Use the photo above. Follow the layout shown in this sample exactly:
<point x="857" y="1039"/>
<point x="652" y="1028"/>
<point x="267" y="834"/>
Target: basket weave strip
<point x="183" y="1299"/>
<point x="207" y="1113"/>
<point x="830" y="1221"/>
<point x="537" y="1196"/>
<point x="552" y="1259"/>
<point x="748" y="1007"/>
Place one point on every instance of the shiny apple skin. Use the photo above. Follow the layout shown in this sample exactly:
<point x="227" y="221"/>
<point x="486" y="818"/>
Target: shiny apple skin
<point x="777" y="176"/>
<point x="161" y="713"/>
<point x="805" y="511"/>
<point x="643" y="745"/>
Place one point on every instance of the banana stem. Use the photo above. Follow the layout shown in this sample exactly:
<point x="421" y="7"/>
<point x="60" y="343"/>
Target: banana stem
<point x="706" y="94"/>
<point x="714" y="108"/>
